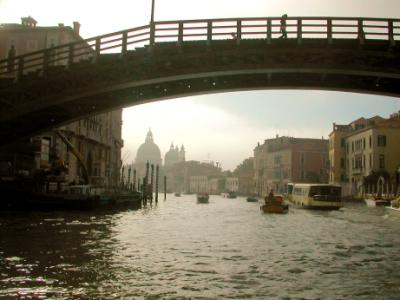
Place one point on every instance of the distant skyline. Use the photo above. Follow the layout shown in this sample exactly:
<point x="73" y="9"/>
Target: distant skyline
<point x="226" y="127"/>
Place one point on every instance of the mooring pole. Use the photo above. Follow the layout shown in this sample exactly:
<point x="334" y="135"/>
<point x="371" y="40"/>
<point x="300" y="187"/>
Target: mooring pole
<point x="151" y="182"/>
<point x="129" y="178"/>
<point x="165" y="188"/>
<point x="157" y="173"/>
<point x="146" y="180"/>
<point x="134" y="180"/>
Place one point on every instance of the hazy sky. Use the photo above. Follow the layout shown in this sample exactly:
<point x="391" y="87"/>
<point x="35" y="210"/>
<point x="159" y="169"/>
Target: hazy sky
<point x="221" y="127"/>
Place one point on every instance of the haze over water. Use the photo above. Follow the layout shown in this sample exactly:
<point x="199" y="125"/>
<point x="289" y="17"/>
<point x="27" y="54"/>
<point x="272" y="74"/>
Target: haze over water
<point x="222" y="250"/>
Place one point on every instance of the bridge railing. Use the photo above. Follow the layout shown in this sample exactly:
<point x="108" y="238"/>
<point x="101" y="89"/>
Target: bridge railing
<point x="207" y="30"/>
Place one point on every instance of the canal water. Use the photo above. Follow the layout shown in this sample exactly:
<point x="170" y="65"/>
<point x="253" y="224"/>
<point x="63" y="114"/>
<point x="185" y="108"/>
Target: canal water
<point x="179" y="249"/>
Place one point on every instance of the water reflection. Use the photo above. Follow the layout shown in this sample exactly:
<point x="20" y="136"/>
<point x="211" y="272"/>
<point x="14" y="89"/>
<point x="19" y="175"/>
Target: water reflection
<point x="226" y="249"/>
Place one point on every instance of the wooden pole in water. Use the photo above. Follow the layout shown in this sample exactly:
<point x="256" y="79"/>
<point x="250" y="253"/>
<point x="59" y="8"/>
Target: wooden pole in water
<point x="151" y="182"/>
<point x="146" y="180"/>
<point x="157" y="173"/>
<point x="129" y="178"/>
<point x="134" y="180"/>
<point x="165" y="188"/>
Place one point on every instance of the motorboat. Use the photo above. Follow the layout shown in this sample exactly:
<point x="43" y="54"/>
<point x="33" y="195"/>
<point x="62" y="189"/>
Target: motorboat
<point x="232" y="195"/>
<point x="275" y="204"/>
<point x="202" y="198"/>
<point x="373" y="201"/>
<point x="252" y="199"/>
<point x="395" y="205"/>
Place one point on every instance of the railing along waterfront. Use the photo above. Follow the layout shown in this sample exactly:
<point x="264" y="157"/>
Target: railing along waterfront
<point x="207" y="30"/>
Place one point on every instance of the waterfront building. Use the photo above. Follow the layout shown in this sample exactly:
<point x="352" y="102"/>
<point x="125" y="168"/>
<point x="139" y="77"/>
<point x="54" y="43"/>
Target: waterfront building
<point x="369" y="149"/>
<point x="199" y="184"/>
<point x="245" y="174"/>
<point x="259" y="185"/>
<point x="287" y="159"/>
<point x="97" y="138"/>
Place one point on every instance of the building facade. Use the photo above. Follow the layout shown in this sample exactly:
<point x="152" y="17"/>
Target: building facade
<point x="286" y="159"/>
<point x="369" y="149"/>
<point x="97" y="138"/>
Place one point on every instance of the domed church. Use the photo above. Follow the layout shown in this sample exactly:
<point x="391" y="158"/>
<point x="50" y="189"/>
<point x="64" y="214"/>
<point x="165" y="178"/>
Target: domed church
<point x="147" y="152"/>
<point x="174" y="155"/>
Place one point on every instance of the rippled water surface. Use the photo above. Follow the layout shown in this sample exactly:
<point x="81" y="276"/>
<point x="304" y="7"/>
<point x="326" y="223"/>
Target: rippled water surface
<point x="226" y="249"/>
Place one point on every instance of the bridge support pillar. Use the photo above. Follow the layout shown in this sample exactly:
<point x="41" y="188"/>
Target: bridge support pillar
<point x="299" y="32"/>
<point x="269" y="31"/>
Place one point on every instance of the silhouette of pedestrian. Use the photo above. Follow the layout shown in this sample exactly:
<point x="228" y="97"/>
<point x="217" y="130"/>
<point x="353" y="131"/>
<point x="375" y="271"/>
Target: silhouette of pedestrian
<point x="283" y="26"/>
<point x="10" y="57"/>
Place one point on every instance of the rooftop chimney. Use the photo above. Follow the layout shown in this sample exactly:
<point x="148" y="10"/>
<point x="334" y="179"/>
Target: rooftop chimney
<point x="77" y="27"/>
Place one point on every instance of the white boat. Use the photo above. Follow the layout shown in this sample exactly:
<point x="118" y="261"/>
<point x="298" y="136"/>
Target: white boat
<point x="395" y="205"/>
<point x="373" y="201"/>
<point x="315" y="196"/>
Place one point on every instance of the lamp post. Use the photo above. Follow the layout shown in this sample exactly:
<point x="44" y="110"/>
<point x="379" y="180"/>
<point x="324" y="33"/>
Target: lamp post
<point x="152" y="12"/>
<point x="152" y="26"/>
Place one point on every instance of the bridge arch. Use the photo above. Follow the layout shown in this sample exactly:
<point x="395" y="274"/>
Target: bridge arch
<point x="184" y="58"/>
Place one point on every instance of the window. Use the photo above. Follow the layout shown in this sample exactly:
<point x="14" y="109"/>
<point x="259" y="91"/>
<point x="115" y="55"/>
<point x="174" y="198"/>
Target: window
<point x="381" y="161"/>
<point x="370" y="141"/>
<point x="342" y="163"/>
<point x="352" y="146"/>
<point x="342" y="142"/>
<point x="364" y="143"/>
<point x="381" y="140"/>
<point x="370" y="161"/>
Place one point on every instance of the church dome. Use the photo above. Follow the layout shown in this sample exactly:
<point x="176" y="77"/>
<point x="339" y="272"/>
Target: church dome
<point x="148" y="151"/>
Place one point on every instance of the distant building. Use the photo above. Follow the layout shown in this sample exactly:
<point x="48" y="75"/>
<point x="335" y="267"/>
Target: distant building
<point x="232" y="184"/>
<point x="199" y="184"/>
<point x="97" y="138"/>
<point x="287" y="159"/>
<point x="365" y="150"/>
<point x="174" y="155"/>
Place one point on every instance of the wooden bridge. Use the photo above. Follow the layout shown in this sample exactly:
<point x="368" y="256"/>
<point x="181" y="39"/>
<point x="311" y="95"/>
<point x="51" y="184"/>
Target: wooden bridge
<point x="162" y="60"/>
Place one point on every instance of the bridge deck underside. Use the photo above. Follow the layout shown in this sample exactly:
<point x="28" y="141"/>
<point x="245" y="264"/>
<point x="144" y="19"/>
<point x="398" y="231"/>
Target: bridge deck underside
<point x="40" y="102"/>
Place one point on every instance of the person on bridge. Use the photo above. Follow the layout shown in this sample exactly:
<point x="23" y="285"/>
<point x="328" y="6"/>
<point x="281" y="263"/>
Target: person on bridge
<point x="283" y="26"/>
<point x="10" y="58"/>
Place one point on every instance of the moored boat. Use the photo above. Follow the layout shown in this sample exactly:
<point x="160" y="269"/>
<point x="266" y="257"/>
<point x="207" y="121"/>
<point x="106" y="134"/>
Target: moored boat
<point x="275" y="204"/>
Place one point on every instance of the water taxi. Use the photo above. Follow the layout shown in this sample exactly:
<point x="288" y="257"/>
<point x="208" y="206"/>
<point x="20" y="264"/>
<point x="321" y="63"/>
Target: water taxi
<point x="315" y="195"/>
<point x="275" y="204"/>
